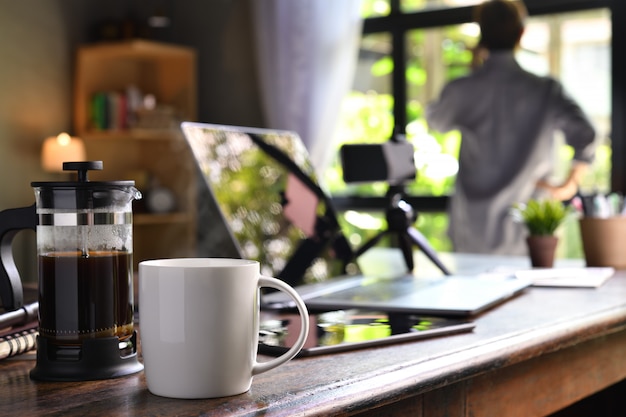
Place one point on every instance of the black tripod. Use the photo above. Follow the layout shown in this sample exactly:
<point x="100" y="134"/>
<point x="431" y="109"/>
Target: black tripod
<point x="400" y="219"/>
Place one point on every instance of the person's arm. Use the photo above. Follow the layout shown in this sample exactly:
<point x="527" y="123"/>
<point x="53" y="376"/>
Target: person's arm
<point x="569" y="187"/>
<point x="580" y="135"/>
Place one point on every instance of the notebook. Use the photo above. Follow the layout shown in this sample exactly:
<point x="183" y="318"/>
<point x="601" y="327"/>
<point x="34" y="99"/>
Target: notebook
<point x="279" y="213"/>
<point x="581" y="277"/>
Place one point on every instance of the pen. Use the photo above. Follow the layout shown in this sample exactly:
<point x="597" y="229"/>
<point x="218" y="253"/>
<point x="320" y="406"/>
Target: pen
<point x="615" y="202"/>
<point x="577" y="203"/>
<point x="587" y="204"/>
<point x="601" y="207"/>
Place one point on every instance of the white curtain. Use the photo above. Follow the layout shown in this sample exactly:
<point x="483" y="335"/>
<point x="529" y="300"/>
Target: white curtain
<point x="307" y="54"/>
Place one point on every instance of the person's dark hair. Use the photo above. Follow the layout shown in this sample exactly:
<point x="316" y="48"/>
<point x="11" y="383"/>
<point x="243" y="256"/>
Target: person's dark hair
<point x="501" y="23"/>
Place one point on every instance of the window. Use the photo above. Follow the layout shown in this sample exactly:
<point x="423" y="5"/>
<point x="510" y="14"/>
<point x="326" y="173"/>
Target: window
<point x="411" y="48"/>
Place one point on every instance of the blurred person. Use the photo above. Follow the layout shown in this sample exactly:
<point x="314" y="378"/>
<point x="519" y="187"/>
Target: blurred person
<point x="507" y="117"/>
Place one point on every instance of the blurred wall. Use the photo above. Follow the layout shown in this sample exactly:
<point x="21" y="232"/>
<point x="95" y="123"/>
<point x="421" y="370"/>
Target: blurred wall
<point x="37" y="45"/>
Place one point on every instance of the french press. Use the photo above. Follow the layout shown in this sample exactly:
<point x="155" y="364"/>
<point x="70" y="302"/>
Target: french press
<point x="84" y="251"/>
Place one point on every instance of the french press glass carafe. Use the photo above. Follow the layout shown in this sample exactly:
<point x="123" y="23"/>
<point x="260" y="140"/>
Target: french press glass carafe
<point x="84" y="250"/>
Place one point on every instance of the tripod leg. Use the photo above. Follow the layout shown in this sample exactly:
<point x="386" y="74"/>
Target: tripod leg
<point x="405" y="243"/>
<point x="428" y="250"/>
<point x="373" y="241"/>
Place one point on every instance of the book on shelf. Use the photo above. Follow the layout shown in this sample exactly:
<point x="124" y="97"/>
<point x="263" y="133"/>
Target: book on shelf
<point x="123" y="110"/>
<point x="109" y="111"/>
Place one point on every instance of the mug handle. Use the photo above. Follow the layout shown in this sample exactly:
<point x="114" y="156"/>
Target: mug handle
<point x="260" y="367"/>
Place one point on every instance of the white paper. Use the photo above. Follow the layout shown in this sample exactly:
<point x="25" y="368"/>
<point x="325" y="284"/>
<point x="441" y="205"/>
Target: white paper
<point x="589" y="277"/>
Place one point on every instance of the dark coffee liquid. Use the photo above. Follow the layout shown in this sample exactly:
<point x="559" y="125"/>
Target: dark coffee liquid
<point x="85" y="297"/>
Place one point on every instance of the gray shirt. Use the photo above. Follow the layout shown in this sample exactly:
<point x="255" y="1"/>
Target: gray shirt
<point x="507" y="118"/>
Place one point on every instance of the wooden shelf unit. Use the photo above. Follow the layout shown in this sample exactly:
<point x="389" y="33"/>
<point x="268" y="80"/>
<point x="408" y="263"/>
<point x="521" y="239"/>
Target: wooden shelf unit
<point x="168" y="72"/>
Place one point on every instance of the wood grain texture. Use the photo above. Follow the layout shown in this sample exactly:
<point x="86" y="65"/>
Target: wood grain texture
<point x="533" y="355"/>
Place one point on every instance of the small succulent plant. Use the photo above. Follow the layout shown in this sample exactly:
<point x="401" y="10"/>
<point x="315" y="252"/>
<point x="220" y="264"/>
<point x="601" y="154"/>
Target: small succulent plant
<point x="541" y="217"/>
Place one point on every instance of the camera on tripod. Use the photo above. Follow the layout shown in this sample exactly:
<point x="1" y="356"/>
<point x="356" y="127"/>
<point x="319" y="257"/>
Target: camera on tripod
<point x="393" y="162"/>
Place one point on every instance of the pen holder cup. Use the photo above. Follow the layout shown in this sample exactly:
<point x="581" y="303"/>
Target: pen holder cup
<point x="604" y="241"/>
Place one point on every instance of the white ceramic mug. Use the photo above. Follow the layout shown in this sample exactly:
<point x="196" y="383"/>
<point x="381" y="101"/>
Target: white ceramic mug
<point x="199" y="325"/>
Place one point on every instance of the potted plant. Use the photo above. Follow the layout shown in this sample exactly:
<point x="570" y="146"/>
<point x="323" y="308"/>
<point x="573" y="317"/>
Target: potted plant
<point x="542" y="218"/>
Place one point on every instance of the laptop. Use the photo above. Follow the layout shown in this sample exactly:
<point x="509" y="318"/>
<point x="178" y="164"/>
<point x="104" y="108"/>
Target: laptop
<point x="279" y="213"/>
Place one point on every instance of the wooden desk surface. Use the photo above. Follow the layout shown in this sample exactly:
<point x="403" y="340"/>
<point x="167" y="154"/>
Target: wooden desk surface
<point x="532" y="355"/>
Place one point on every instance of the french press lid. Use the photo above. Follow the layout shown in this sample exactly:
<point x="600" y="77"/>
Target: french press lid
<point x="83" y="194"/>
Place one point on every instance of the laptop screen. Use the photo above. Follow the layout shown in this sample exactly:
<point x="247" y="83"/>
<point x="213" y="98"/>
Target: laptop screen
<point x="266" y="189"/>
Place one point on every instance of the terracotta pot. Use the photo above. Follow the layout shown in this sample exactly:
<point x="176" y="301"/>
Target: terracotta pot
<point x="604" y="241"/>
<point x="542" y="250"/>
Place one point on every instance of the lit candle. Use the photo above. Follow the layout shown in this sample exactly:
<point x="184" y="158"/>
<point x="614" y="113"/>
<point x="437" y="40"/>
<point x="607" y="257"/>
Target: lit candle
<point x="59" y="149"/>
